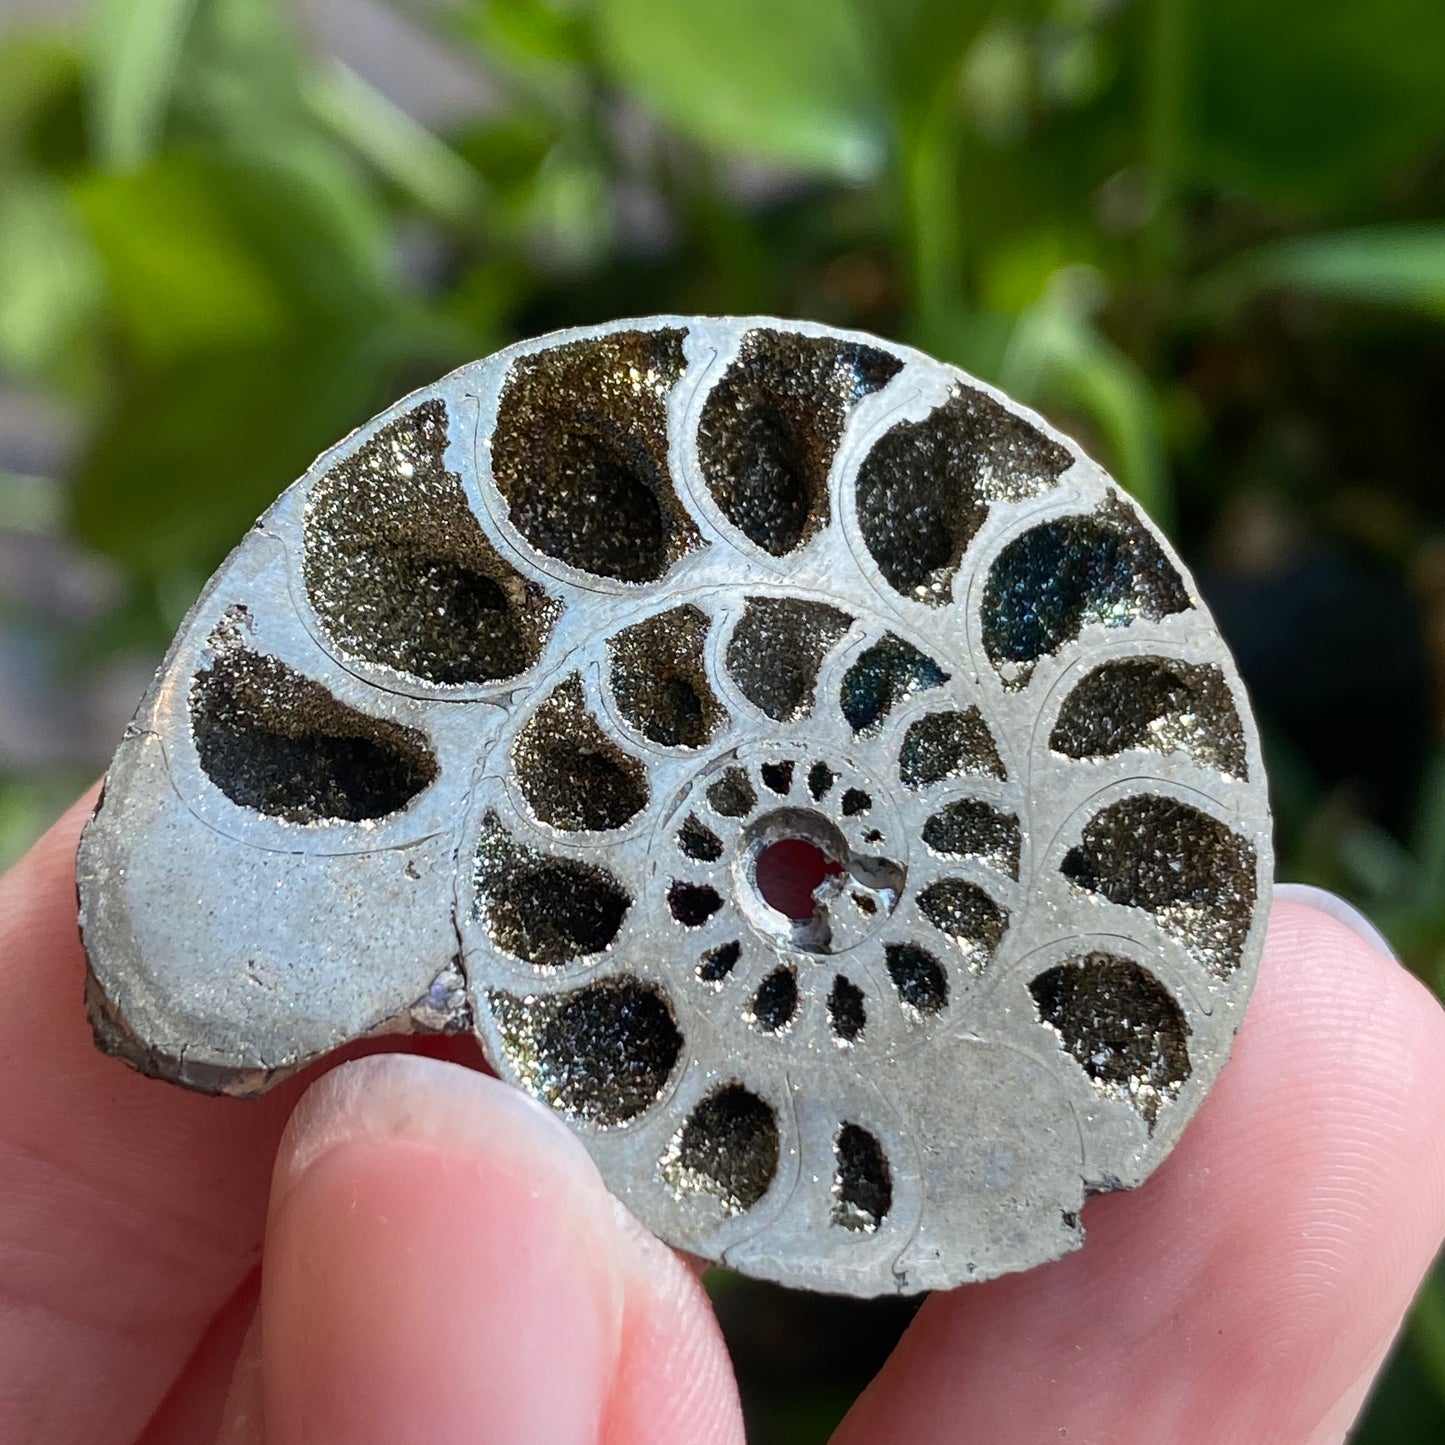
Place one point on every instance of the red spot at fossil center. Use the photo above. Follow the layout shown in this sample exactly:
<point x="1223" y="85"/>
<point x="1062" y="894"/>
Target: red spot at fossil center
<point x="789" y="872"/>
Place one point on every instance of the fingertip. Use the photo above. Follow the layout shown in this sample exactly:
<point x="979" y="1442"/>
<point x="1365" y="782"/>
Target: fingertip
<point x="409" y="1098"/>
<point x="437" y="1265"/>
<point x="443" y="1262"/>
<point x="1340" y="1030"/>
<point x="1343" y="1029"/>
<point x="1328" y="953"/>
<point x="675" y="1379"/>
<point x="1321" y="900"/>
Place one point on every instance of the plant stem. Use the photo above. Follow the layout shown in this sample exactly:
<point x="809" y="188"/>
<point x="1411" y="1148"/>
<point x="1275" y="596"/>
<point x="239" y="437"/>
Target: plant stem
<point x="1165" y="108"/>
<point x="933" y="224"/>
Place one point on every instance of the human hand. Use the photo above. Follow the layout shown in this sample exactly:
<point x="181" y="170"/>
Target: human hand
<point x="443" y="1264"/>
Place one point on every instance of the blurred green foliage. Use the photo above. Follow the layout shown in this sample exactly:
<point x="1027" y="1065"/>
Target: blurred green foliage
<point x="220" y="250"/>
<point x="202" y="222"/>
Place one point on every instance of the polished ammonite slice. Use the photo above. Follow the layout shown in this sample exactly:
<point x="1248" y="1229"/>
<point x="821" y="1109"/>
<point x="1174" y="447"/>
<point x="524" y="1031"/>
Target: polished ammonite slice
<point x="804" y="769"/>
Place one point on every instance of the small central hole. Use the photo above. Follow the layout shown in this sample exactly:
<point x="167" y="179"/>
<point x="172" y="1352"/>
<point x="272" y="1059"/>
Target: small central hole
<point x="789" y="872"/>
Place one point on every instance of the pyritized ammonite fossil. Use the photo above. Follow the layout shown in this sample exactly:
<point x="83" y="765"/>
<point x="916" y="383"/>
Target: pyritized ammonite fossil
<point x="806" y="771"/>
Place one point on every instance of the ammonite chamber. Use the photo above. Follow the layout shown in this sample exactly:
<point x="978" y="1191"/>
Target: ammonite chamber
<point x="804" y="768"/>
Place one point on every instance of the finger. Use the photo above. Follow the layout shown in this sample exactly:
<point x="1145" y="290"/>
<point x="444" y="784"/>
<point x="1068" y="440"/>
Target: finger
<point x="443" y="1263"/>
<point x="191" y="1412"/>
<point x="131" y="1210"/>
<point x="1249" y="1290"/>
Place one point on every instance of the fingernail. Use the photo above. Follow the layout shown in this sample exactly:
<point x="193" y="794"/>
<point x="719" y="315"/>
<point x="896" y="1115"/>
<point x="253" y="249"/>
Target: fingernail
<point x="1323" y="901"/>
<point x="439" y="1266"/>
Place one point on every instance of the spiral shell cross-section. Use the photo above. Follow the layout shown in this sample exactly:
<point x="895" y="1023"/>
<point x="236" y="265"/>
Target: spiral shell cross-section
<point x="803" y="768"/>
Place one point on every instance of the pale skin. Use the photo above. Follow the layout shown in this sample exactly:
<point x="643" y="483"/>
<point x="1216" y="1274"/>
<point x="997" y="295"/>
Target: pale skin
<point x="423" y="1255"/>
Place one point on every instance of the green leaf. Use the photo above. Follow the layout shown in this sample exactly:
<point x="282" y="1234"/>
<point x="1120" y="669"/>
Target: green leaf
<point x="406" y="153"/>
<point x="51" y="283"/>
<point x="1305" y="99"/>
<point x="181" y="278"/>
<point x="40" y="76"/>
<point x="1401" y="265"/>
<point x="921" y="46"/>
<point x="305" y="206"/>
<point x="568" y="213"/>
<point x="788" y="80"/>
<point x="244" y="70"/>
<point x="207" y="249"/>
<point x="542" y="29"/>
<point x="508" y="150"/>
<point x="1058" y="357"/>
<point x="135" y="59"/>
<point x="923" y="43"/>
<point x="191" y="453"/>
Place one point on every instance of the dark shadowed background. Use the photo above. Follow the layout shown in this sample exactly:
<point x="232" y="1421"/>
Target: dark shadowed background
<point x="1204" y="236"/>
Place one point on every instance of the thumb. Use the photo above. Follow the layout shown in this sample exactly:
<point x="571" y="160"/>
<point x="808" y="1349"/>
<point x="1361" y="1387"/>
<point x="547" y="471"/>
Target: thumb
<point x="443" y="1263"/>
